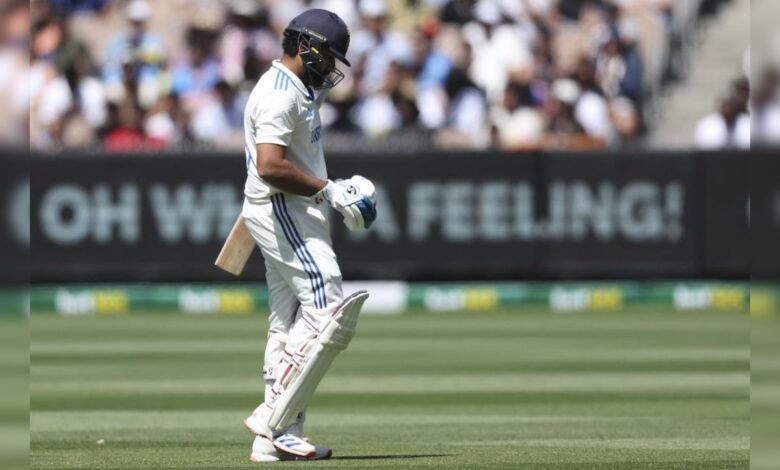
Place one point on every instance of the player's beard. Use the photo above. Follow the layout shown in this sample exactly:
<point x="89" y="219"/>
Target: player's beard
<point x="318" y="80"/>
<point x="315" y="79"/>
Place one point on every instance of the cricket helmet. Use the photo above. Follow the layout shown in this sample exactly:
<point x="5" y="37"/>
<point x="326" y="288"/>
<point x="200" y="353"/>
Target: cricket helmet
<point x="322" y="33"/>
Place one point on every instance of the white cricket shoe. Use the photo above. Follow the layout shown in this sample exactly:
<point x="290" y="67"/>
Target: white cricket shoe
<point x="294" y="445"/>
<point x="263" y="451"/>
<point x="286" y="446"/>
<point x="257" y="423"/>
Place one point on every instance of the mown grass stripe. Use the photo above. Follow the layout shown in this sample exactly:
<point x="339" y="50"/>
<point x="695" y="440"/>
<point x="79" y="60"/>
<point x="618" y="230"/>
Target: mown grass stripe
<point x="625" y="392"/>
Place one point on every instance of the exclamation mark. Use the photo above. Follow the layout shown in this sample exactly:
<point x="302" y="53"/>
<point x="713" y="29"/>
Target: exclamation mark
<point x="673" y="209"/>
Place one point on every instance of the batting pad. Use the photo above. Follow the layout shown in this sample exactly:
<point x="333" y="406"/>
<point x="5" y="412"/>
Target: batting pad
<point x="301" y="382"/>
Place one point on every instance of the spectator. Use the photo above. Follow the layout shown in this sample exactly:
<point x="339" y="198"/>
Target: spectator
<point x="14" y="73"/>
<point x="498" y="47"/>
<point x="728" y="128"/>
<point x="591" y="110"/>
<point x="766" y="109"/>
<point x="89" y="98"/>
<point x="50" y="96"/>
<point x="626" y="120"/>
<point x="566" y="93"/>
<point x="162" y="122"/>
<point x="434" y="66"/>
<point x="246" y="37"/>
<point x="136" y="52"/>
<point x="128" y="135"/>
<point x="519" y="122"/>
<point x="375" y="47"/>
<point x="377" y="115"/>
<point x="631" y="82"/>
<point x="466" y="121"/>
<point x="220" y="120"/>
<point x="194" y="75"/>
<point x="337" y="114"/>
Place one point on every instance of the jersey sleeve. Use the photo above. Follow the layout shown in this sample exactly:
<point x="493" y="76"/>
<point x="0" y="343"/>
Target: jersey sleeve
<point x="274" y="119"/>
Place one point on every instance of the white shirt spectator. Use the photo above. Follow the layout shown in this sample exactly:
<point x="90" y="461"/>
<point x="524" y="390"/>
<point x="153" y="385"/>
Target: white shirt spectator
<point x="378" y="53"/>
<point x="377" y="115"/>
<point x="209" y="122"/>
<point x="592" y="113"/>
<point x="507" y="47"/>
<point x="93" y="101"/>
<point x="51" y="96"/>
<point x="160" y="125"/>
<point x="523" y="127"/>
<point x="432" y="103"/>
<point x="713" y="133"/>
<point x="14" y="93"/>
<point x="767" y="130"/>
<point x="468" y="112"/>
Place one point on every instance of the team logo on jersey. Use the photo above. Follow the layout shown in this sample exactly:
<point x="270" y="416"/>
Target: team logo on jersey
<point x="315" y="134"/>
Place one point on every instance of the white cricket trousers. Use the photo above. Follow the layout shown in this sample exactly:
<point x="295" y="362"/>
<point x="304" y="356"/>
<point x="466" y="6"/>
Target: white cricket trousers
<point x="304" y="279"/>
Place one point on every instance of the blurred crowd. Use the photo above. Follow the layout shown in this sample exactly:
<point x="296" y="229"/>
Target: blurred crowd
<point x="155" y="75"/>
<point x="138" y="75"/>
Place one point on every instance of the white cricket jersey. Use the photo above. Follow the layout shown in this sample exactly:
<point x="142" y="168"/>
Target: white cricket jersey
<point x="282" y="110"/>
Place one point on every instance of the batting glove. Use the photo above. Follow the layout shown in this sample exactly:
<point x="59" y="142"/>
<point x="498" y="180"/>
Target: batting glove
<point x="354" y="199"/>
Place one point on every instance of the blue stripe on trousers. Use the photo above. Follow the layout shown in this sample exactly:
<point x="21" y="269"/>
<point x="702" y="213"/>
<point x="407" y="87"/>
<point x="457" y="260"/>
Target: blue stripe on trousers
<point x="296" y="249"/>
<point x="321" y="283"/>
<point x="315" y="277"/>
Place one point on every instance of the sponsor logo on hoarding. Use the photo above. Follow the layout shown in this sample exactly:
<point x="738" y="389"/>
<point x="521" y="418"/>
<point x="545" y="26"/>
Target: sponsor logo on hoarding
<point x="216" y="301"/>
<point x="102" y="302"/>
<point x="564" y="299"/>
<point x="703" y="297"/>
<point x="455" y="299"/>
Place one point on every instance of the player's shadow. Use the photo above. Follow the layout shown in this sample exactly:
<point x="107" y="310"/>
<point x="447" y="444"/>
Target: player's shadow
<point x="389" y="457"/>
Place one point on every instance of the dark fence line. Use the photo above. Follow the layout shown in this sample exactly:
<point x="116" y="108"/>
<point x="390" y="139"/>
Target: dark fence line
<point x="441" y="216"/>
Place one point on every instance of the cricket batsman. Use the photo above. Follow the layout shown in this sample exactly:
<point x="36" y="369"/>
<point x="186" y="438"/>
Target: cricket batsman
<point x="285" y="211"/>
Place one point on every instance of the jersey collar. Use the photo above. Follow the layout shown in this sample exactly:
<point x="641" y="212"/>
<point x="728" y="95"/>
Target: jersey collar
<point x="277" y="64"/>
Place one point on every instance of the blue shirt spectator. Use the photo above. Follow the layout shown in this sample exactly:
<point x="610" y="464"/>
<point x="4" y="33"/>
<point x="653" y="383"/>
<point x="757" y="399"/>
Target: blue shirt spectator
<point x="137" y="47"/>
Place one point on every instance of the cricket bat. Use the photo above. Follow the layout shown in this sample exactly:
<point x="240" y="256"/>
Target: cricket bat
<point x="236" y="250"/>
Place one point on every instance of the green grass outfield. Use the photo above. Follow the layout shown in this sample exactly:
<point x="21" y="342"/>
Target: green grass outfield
<point x="529" y="390"/>
<point x="14" y="399"/>
<point x="765" y="393"/>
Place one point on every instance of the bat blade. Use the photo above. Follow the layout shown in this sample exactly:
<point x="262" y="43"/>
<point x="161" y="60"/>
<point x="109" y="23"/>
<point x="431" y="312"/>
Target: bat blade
<point x="237" y="249"/>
